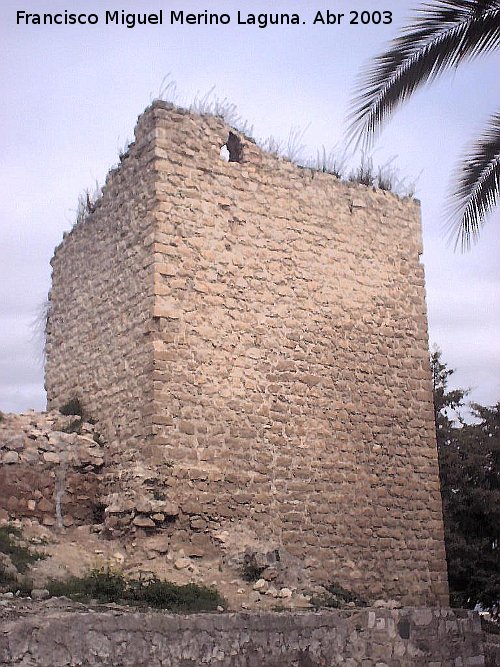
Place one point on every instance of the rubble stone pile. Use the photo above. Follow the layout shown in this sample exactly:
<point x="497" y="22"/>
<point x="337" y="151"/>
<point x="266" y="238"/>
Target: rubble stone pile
<point x="51" y="469"/>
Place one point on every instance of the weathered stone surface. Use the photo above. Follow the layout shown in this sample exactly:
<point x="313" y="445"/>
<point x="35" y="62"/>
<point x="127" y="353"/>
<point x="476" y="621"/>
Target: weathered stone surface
<point x="10" y="457"/>
<point x="143" y="506"/>
<point x="40" y="594"/>
<point x="182" y="563"/>
<point x="159" y="543"/>
<point x="143" y="522"/>
<point x="51" y="457"/>
<point x="252" y="338"/>
<point x="168" y="508"/>
<point x="197" y="523"/>
<point x="65" y="638"/>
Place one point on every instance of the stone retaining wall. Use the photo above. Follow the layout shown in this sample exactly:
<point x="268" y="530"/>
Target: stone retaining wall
<point x="492" y="650"/>
<point x="367" y="638"/>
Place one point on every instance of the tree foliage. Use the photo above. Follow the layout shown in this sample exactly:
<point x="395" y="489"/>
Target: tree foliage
<point x="442" y="35"/>
<point x="469" y="463"/>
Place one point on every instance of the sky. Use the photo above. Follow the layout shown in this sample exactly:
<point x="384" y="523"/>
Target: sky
<point x="71" y="95"/>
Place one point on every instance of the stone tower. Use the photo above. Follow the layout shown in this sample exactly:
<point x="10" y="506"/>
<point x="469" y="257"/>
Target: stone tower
<point x="253" y="335"/>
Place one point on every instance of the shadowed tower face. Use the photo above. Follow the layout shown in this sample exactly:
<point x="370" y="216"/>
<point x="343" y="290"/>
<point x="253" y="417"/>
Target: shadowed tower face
<point x="254" y="335"/>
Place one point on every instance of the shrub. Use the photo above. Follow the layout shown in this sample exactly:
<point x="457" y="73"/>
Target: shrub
<point x="250" y="570"/>
<point x="101" y="584"/>
<point x="87" y="202"/>
<point x="187" y="598"/>
<point x="2" y="416"/>
<point x="7" y="579"/>
<point x="20" y="555"/>
<point x="491" y="627"/>
<point x="106" y="585"/>
<point x="330" y="163"/>
<point x="72" y="407"/>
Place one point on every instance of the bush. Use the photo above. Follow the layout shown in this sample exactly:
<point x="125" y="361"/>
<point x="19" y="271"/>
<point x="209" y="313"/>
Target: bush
<point x="250" y="570"/>
<point x="187" y="598"/>
<point x="105" y="585"/>
<point x="99" y="584"/>
<point x="7" y="579"/>
<point x="20" y="555"/>
<point x="72" y="407"/>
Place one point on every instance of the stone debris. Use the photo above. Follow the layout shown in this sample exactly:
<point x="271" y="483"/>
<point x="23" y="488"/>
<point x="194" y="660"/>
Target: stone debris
<point x="40" y="594"/>
<point x="182" y="563"/>
<point x="285" y="593"/>
<point x="260" y="585"/>
<point x="10" y="457"/>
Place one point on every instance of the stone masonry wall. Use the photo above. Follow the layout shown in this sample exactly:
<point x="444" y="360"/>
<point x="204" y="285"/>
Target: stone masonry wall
<point x="292" y="382"/>
<point x="98" y="345"/>
<point x="368" y="638"/>
<point x="275" y="367"/>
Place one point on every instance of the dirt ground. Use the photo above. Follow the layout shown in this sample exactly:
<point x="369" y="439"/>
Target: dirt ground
<point x="76" y="550"/>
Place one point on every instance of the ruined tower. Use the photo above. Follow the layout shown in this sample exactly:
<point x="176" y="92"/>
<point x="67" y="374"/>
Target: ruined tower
<point x="255" y="333"/>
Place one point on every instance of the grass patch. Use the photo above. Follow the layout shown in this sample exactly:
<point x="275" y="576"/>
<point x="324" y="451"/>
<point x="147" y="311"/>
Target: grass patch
<point x="87" y="202"/>
<point x="21" y="556"/>
<point x="365" y="173"/>
<point x="106" y="585"/>
<point x="293" y="149"/>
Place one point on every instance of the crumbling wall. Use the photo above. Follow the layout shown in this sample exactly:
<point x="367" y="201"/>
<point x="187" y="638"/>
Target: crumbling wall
<point x="50" y="470"/>
<point x="258" y="349"/>
<point x="98" y="345"/>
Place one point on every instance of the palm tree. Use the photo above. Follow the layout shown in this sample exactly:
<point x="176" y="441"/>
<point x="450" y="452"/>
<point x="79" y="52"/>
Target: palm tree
<point x="442" y="35"/>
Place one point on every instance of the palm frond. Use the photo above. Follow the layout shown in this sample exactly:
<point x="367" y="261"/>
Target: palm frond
<point x="442" y="35"/>
<point x="478" y="185"/>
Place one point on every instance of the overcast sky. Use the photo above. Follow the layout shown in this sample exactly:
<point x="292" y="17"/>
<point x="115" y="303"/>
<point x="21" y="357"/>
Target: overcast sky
<point x="71" y="96"/>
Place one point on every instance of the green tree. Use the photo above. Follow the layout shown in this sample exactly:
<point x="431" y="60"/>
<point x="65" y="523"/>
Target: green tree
<point x="469" y="463"/>
<point x="442" y="35"/>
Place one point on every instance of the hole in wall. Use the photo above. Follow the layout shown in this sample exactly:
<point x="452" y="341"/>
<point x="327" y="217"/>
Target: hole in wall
<point x="98" y="513"/>
<point x="232" y="150"/>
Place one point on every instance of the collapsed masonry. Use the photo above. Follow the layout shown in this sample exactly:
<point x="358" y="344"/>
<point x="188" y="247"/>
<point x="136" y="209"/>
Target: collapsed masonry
<point x="251" y="337"/>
